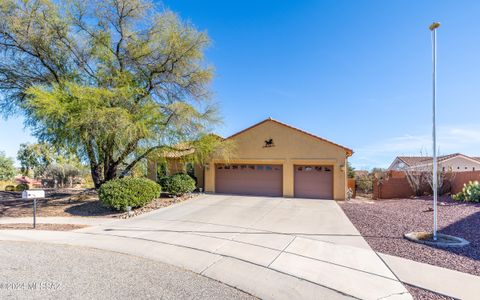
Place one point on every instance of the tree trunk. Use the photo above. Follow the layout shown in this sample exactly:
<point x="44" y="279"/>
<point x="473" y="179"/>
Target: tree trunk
<point x="111" y="172"/>
<point x="97" y="180"/>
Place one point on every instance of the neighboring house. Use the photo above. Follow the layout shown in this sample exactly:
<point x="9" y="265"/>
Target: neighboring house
<point x="456" y="162"/>
<point x="21" y="179"/>
<point x="275" y="159"/>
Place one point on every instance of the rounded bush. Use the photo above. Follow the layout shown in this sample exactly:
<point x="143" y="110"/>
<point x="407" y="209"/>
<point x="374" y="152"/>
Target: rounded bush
<point x="178" y="184"/>
<point x="469" y="193"/>
<point x="134" y="192"/>
<point x="21" y="187"/>
<point x="10" y="188"/>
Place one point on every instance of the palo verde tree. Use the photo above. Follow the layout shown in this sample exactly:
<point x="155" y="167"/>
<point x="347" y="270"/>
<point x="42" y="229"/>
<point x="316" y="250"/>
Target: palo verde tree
<point x="113" y="80"/>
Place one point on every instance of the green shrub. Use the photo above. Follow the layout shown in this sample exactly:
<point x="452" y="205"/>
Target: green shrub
<point x="469" y="193"/>
<point x="10" y="188"/>
<point x="21" y="187"/>
<point x="178" y="184"/>
<point x="134" y="192"/>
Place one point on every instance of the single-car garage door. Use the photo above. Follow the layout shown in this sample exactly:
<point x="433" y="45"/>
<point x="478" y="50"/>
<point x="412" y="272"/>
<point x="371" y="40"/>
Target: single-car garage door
<point x="314" y="182"/>
<point x="259" y="180"/>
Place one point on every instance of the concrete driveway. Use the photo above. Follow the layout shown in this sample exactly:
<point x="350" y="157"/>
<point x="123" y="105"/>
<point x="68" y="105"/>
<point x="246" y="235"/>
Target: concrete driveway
<point x="272" y="248"/>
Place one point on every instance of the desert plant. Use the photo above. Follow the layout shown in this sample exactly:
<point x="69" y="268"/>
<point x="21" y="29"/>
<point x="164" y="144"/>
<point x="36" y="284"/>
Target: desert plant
<point x="128" y="192"/>
<point x="416" y="181"/>
<point x="178" y="184"/>
<point x="469" y="193"/>
<point x="64" y="173"/>
<point x="10" y="188"/>
<point x="364" y="184"/>
<point x="21" y="187"/>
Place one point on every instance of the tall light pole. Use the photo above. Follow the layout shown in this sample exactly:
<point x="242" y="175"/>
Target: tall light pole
<point x="433" y="29"/>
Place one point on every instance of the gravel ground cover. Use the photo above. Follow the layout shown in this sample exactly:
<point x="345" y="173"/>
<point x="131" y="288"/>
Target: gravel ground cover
<point x="383" y="223"/>
<point x="72" y="202"/>
<point x="421" y="294"/>
<point x="42" y="226"/>
<point x="46" y="271"/>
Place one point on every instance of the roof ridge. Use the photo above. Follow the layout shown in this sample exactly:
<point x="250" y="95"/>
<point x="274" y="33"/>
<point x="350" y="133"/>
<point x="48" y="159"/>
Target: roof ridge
<point x="415" y="160"/>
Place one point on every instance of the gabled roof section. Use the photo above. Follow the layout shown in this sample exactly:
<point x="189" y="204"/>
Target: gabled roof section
<point x="412" y="161"/>
<point x="348" y="150"/>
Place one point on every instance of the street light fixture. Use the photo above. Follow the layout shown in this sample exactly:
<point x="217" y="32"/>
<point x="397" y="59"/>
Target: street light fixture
<point x="433" y="28"/>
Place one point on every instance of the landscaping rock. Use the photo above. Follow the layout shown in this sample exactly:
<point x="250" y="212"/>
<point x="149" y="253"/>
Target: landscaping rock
<point x="384" y="223"/>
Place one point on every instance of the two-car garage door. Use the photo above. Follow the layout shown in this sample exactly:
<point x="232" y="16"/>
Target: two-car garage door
<point x="266" y="180"/>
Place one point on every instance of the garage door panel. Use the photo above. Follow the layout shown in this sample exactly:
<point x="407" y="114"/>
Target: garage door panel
<point x="313" y="182"/>
<point x="262" y="180"/>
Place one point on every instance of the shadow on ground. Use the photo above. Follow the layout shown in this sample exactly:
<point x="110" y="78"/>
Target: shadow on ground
<point x="56" y="203"/>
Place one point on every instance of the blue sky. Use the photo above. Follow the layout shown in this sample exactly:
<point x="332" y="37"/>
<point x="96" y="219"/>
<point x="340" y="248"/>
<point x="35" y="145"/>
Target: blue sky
<point x="355" y="72"/>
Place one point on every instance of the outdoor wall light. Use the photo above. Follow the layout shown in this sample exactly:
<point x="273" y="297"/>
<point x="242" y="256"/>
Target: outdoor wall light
<point x="342" y="168"/>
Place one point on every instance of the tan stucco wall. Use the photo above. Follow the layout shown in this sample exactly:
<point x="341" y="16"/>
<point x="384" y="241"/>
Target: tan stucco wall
<point x="292" y="147"/>
<point x="199" y="175"/>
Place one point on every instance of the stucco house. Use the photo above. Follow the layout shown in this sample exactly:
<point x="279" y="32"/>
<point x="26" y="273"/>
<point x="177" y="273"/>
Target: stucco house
<point x="273" y="159"/>
<point x="456" y="162"/>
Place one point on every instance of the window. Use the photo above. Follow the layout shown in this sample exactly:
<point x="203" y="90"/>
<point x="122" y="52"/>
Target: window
<point x="220" y="167"/>
<point x="268" y="168"/>
<point x="251" y="167"/>
<point x="328" y="169"/>
<point x="458" y="168"/>
<point x="443" y="169"/>
<point x="466" y="168"/>
<point x="234" y="167"/>
<point x="319" y="169"/>
<point x="473" y="169"/>
<point x="243" y="167"/>
<point x="299" y="169"/>
<point x="227" y="167"/>
<point x="259" y="167"/>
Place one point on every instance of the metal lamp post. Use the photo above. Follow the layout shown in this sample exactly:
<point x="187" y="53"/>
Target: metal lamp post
<point x="433" y="29"/>
<point x="439" y="239"/>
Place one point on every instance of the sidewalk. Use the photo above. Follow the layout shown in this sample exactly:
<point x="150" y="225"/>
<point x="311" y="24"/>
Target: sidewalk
<point x="440" y="280"/>
<point x="91" y="221"/>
